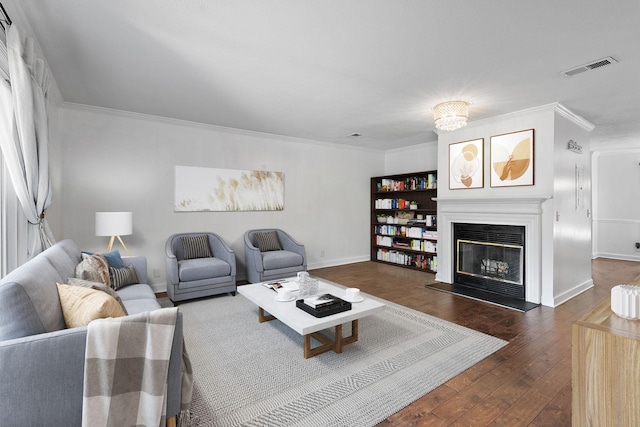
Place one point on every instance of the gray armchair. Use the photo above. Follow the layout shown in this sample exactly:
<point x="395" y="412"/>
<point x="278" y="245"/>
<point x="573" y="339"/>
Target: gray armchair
<point x="206" y="266"/>
<point x="271" y="253"/>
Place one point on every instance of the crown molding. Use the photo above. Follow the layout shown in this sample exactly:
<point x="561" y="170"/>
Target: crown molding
<point x="570" y="115"/>
<point x="554" y="106"/>
<point x="207" y="126"/>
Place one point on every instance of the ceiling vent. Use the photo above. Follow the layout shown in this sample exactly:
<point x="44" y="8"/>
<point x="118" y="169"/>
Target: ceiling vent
<point x="590" y="66"/>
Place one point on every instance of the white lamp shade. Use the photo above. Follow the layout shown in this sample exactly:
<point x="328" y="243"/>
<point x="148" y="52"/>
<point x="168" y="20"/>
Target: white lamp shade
<point x="114" y="223"/>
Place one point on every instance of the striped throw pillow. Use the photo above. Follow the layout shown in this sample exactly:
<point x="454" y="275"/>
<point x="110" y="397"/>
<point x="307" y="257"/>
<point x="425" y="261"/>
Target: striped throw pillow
<point x="268" y="241"/>
<point x="121" y="277"/>
<point x="196" y="246"/>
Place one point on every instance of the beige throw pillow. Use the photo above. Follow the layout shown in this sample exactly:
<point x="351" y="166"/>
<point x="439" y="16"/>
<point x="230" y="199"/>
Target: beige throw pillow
<point x="82" y="305"/>
<point x="98" y="286"/>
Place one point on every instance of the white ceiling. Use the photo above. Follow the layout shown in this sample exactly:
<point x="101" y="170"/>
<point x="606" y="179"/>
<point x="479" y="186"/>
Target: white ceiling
<point x="325" y="69"/>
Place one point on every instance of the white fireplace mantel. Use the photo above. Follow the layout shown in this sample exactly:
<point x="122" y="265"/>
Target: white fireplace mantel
<point x="511" y="204"/>
<point x="519" y="211"/>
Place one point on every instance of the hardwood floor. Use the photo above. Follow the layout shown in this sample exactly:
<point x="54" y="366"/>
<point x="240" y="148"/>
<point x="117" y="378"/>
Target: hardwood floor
<point x="526" y="383"/>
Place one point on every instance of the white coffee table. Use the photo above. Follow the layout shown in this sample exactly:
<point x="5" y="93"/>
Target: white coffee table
<point x="307" y="325"/>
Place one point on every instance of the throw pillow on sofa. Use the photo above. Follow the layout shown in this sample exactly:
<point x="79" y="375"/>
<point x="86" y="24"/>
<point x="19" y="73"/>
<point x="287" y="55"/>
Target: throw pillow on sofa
<point x="82" y="305"/>
<point x="114" y="259"/>
<point x="121" y="277"/>
<point x="94" y="268"/>
<point x="99" y="287"/>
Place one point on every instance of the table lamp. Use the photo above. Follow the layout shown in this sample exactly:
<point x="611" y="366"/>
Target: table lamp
<point x="114" y="224"/>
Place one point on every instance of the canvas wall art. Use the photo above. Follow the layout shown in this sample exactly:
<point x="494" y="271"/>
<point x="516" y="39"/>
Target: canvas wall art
<point x="200" y="189"/>
<point x="466" y="164"/>
<point x="512" y="159"/>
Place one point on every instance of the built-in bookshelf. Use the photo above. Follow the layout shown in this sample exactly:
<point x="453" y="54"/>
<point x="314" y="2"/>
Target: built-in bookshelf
<point x="404" y="226"/>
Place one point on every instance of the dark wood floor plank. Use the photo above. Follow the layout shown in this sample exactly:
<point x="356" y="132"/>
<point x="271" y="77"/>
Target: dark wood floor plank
<point x="526" y="383"/>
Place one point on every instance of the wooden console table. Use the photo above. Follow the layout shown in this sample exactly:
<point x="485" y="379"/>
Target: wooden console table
<point x="605" y="369"/>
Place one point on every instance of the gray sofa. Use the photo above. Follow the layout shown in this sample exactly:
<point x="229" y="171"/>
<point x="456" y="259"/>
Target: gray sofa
<point x="42" y="362"/>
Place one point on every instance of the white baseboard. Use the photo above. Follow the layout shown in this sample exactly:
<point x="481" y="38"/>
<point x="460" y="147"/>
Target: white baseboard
<point x="336" y="262"/>
<point x="159" y="287"/>
<point x="622" y="257"/>
<point x="567" y="295"/>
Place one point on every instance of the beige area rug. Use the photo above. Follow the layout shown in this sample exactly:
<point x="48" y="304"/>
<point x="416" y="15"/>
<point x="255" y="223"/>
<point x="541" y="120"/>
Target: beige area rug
<point x="252" y="374"/>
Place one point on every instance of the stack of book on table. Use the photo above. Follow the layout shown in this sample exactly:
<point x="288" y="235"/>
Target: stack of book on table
<point x="323" y="305"/>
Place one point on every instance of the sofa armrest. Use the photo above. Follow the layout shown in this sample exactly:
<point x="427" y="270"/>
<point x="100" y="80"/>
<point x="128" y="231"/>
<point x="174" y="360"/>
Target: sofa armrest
<point x="139" y="264"/>
<point x="48" y="370"/>
<point x="41" y="378"/>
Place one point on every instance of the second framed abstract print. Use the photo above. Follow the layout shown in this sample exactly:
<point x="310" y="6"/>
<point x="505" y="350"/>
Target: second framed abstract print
<point x="512" y="159"/>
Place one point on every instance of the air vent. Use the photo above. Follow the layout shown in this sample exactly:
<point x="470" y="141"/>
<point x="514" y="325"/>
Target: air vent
<point x="590" y="66"/>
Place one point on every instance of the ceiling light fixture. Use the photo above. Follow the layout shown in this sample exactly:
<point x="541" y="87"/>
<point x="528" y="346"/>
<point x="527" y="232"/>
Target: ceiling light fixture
<point x="451" y="115"/>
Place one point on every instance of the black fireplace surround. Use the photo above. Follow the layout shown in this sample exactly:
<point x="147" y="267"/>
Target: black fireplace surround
<point x="490" y="258"/>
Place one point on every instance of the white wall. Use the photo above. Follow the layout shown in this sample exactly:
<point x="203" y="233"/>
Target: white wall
<point x="115" y="161"/>
<point x="616" y="204"/>
<point x="564" y="265"/>
<point x="572" y="220"/>
<point x="416" y="158"/>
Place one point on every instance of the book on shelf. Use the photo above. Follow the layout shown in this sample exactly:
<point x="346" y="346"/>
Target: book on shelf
<point x="320" y="301"/>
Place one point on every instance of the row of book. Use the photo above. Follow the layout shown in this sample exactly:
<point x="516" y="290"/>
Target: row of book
<point x="428" y="221"/>
<point x="424" y="262"/>
<point x="424" y="246"/>
<point x="405" y="231"/>
<point x="393" y="204"/>
<point x="409" y="184"/>
<point x="414" y="245"/>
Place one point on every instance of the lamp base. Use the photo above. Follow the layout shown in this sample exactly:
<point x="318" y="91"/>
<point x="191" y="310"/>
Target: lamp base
<point x="110" y="246"/>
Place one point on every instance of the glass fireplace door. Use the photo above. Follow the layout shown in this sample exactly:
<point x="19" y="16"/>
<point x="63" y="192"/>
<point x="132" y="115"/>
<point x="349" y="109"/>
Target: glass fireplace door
<point x="495" y="261"/>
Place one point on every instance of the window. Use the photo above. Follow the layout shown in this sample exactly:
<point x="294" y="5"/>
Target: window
<point x="10" y="220"/>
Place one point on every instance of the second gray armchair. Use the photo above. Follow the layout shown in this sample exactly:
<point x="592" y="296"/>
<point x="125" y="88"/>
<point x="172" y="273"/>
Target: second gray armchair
<point x="271" y="254"/>
<point x="199" y="265"/>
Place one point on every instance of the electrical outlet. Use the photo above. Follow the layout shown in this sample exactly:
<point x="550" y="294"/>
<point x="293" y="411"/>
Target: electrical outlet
<point x="156" y="272"/>
<point x="637" y="246"/>
<point x="321" y="253"/>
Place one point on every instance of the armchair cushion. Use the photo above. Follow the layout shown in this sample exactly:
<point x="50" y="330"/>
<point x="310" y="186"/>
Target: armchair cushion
<point x="81" y="305"/>
<point x="202" y="268"/>
<point x="121" y="277"/>
<point x="196" y="246"/>
<point x="268" y="241"/>
<point x="280" y="259"/>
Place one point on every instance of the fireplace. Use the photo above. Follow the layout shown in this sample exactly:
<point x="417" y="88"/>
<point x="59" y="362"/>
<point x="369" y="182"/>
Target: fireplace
<point x="490" y="257"/>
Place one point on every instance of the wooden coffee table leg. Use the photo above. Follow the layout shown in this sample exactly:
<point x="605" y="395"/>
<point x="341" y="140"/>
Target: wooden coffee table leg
<point x="354" y="334"/>
<point x="327" y="344"/>
<point x="262" y="318"/>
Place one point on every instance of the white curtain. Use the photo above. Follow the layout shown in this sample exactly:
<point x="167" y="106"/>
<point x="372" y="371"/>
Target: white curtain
<point x="24" y="133"/>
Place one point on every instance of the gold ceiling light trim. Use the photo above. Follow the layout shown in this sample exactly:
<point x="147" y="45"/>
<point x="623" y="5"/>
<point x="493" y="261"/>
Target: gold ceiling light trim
<point x="451" y="115"/>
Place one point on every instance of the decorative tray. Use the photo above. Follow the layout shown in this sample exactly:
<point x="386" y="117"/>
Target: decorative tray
<point x="338" y="307"/>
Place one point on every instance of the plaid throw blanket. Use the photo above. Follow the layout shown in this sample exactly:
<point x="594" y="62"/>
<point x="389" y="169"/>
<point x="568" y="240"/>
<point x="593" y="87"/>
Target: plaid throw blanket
<point x="126" y="368"/>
